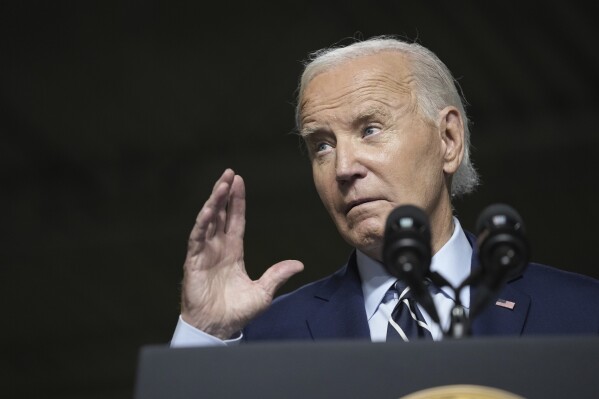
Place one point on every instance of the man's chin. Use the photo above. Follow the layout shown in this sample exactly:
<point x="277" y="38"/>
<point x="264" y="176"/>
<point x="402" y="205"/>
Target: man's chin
<point x="370" y="242"/>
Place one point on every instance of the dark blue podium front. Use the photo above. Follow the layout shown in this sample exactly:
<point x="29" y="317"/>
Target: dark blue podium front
<point x="539" y="367"/>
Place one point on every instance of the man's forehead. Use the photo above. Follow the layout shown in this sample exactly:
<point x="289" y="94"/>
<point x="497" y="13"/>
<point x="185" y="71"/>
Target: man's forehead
<point x="392" y="64"/>
<point x="367" y="82"/>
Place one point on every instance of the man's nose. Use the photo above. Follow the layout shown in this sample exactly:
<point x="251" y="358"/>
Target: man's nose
<point x="348" y="165"/>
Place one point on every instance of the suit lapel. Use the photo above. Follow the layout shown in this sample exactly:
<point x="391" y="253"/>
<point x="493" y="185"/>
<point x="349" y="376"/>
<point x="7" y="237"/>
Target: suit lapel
<point x="340" y="310"/>
<point x="498" y="319"/>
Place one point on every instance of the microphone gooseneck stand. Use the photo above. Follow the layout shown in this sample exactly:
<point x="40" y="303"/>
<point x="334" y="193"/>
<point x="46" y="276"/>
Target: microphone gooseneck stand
<point x="459" y="322"/>
<point x="503" y="251"/>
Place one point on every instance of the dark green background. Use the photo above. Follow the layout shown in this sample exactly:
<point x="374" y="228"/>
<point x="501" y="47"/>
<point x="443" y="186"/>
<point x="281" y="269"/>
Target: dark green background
<point x="116" y="118"/>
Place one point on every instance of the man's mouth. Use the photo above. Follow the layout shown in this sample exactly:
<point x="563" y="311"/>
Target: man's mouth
<point x="358" y="202"/>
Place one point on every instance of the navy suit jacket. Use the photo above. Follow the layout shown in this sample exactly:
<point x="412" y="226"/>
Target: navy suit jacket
<point x="547" y="301"/>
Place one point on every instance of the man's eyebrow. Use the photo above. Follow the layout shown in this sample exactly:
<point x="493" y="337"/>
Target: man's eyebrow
<point x="370" y="112"/>
<point x="360" y="116"/>
<point x="307" y="131"/>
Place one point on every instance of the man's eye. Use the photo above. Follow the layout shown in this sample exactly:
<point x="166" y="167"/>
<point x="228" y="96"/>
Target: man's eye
<point x="370" y="130"/>
<point x="322" y="147"/>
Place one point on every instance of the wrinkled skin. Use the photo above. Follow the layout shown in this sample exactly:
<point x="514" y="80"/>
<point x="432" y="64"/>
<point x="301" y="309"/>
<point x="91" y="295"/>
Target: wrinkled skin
<point x="371" y="150"/>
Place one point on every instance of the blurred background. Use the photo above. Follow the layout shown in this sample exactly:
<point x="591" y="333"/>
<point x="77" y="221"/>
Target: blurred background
<point x="117" y="117"/>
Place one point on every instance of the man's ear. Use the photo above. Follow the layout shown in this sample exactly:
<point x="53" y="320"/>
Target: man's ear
<point x="451" y="131"/>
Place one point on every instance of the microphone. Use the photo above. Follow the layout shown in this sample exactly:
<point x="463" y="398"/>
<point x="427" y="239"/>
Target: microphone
<point x="503" y="250"/>
<point x="407" y="252"/>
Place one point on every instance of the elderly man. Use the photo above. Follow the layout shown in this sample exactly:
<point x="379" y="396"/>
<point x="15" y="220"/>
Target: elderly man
<point x="384" y="126"/>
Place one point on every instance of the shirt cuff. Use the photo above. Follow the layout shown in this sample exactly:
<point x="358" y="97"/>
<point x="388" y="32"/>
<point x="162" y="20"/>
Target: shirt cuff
<point x="187" y="335"/>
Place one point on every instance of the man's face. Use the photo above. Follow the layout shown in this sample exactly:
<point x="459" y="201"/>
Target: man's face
<point x="370" y="149"/>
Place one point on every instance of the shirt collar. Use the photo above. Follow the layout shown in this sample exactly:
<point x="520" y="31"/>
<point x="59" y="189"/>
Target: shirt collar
<point x="452" y="261"/>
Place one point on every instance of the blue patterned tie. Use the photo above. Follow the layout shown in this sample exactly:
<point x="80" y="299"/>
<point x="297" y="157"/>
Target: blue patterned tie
<point x="406" y="323"/>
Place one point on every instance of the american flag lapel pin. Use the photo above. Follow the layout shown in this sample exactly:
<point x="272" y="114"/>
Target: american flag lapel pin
<point x="505" y="304"/>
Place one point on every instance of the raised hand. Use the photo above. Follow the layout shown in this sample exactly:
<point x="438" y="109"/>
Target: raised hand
<point x="218" y="297"/>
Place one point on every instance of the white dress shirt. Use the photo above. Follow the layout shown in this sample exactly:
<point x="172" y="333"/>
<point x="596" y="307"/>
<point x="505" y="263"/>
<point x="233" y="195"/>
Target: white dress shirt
<point x="452" y="261"/>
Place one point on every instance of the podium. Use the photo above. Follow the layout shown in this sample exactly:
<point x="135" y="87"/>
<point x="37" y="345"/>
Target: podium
<point x="529" y="367"/>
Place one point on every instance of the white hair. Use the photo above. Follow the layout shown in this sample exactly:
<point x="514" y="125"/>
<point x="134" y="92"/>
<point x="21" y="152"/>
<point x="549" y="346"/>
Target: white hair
<point x="435" y="89"/>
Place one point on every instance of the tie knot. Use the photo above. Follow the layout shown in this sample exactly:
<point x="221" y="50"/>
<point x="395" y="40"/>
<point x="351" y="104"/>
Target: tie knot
<point x="399" y="290"/>
<point x="403" y="290"/>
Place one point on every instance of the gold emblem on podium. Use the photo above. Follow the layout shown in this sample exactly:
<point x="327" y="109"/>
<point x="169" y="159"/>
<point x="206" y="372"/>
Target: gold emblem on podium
<point x="462" y="392"/>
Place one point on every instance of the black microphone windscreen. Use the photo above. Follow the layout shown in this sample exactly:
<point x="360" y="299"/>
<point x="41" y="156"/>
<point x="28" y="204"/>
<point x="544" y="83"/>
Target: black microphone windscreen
<point x="407" y="231"/>
<point x="497" y="216"/>
<point x="409" y="218"/>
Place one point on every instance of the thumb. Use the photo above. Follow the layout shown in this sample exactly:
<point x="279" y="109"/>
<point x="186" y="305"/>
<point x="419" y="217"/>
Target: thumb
<point x="278" y="274"/>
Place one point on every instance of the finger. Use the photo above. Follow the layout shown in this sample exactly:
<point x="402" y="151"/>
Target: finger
<point x="220" y="220"/>
<point x="226" y="177"/>
<point x="205" y="225"/>
<point x="217" y="203"/>
<point x="236" y="208"/>
<point x="278" y="274"/>
<point x="205" y="221"/>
